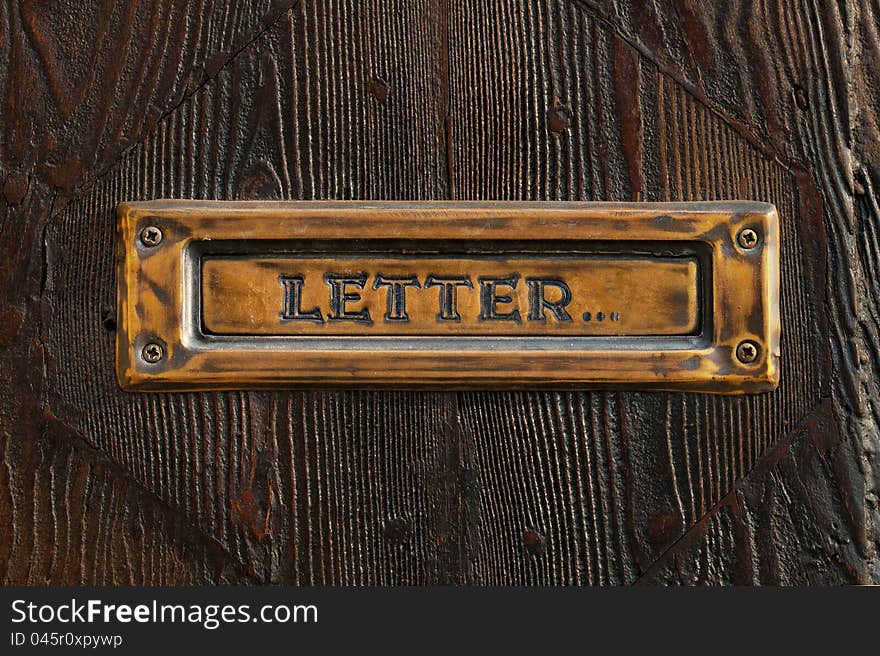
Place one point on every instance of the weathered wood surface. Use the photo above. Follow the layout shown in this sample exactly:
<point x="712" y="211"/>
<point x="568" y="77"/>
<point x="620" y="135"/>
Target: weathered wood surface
<point x="802" y="77"/>
<point x="787" y="523"/>
<point x="418" y="100"/>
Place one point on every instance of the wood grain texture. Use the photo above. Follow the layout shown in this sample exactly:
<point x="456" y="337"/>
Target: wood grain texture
<point x="86" y="80"/>
<point x="547" y="103"/>
<point x="421" y="100"/>
<point x="788" y="523"/>
<point x="327" y="488"/>
<point x="82" y="82"/>
<point x="801" y="77"/>
<point x="548" y="441"/>
<point x="84" y="522"/>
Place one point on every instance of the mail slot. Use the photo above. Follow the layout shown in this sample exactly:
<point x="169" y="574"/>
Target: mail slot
<point x="452" y="295"/>
<point x="340" y="294"/>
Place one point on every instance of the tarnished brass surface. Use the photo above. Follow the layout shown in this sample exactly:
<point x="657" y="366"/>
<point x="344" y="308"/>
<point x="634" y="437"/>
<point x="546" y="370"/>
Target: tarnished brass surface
<point x="641" y="296"/>
<point x="442" y="294"/>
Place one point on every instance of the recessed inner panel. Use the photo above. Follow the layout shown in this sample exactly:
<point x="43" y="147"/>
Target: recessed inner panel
<point x="448" y="294"/>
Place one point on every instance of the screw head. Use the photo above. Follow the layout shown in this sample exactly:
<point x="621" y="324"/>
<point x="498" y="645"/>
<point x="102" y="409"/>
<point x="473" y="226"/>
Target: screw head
<point x="152" y="353"/>
<point x="747" y="352"/>
<point x="151" y="236"/>
<point x="747" y="238"/>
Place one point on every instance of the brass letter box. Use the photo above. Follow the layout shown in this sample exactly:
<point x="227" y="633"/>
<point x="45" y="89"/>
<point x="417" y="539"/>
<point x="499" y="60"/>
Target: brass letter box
<point x="452" y="295"/>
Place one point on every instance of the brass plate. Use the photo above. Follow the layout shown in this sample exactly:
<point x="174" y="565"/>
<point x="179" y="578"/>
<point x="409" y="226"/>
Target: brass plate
<point x="221" y="295"/>
<point x="605" y="288"/>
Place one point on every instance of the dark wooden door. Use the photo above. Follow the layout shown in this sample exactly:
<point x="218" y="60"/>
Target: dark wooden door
<point x="436" y="99"/>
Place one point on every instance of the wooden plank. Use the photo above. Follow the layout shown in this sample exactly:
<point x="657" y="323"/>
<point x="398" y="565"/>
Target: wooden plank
<point x="71" y="517"/>
<point x="347" y="101"/>
<point x="307" y="488"/>
<point x="800" y="77"/>
<point x="789" y="522"/>
<point x="84" y="82"/>
<point x="629" y="513"/>
<point x="548" y="103"/>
